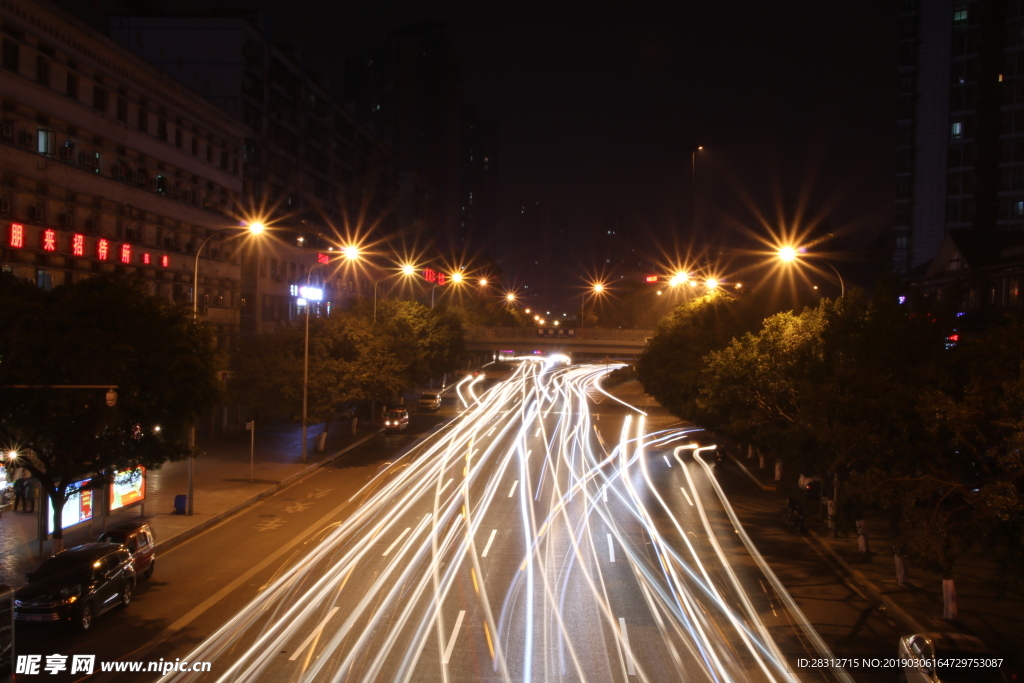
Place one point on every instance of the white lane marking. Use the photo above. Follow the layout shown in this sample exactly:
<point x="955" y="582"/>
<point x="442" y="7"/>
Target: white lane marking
<point x="606" y="493"/>
<point x="629" y="652"/>
<point x="491" y="430"/>
<point x="314" y="634"/>
<point x="400" y="537"/>
<point x="611" y="548"/>
<point x="687" y="495"/>
<point x="445" y="485"/>
<point x="455" y="634"/>
<point x="514" y="485"/>
<point x="537" y="433"/>
<point x="666" y="460"/>
<point x="490" y="540"/>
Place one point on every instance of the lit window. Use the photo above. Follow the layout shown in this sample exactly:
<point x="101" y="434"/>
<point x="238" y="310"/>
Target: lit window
<point x="47" y="142"/>
<point x="1018" y="208"/>
<point x="960" y="16"/>
<point x="956" y="129"/>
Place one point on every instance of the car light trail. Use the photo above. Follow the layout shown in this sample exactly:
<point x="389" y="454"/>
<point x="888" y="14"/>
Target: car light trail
<point x="593" y="538"/>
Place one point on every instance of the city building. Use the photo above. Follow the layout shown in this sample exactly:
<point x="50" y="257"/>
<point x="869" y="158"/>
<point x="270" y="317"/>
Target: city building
<point x="408" y="89"/>
<point x="109" y="166"/>
<point x="478" y="218"/>
<point x="317" y="175"/>
<point x="960" y="154"/>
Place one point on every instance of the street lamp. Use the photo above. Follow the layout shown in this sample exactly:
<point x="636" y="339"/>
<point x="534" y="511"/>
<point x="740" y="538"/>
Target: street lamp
<point x="407" y="270"/>
<point x="510" y="297"/>
<point x="790" y="254"/>
<point x="711" y="283"/>
<point x="253" y="228"/>
<point x="596" y="289"/>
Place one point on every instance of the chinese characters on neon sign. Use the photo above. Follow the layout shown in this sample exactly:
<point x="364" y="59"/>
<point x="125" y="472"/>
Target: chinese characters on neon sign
<point x="431" y="275"/>
<point x="145" y="258"/>
<point x="102" y="249"/>
<point x="16" y="238"/>
<point x="165" y="260"/>
<point x="126" y="253"/>
<point x="323" y="258"/>
<point x="78" y="245"/>
<point x="49" y="240"/>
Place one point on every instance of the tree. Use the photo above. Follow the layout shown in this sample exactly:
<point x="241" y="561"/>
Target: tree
<point x="101" y="331"/>
<point x="670" y="367"/>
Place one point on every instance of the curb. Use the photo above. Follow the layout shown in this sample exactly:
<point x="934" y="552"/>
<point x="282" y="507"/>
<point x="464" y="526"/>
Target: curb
<point x="763" y="487"/>
<point x="912" y="624"/>
<point x="183" y="536"/>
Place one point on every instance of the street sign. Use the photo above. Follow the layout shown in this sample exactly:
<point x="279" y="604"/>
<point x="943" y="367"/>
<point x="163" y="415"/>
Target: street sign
<point x="250" y="425"/>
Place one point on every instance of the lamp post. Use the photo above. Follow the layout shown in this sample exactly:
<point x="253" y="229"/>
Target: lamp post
<point x="789" y="254"/>
<point x="408" y="270"/>
<point x="598" y="288"/>
<point x="254" y="228"/>
<point x="693" y="175"/>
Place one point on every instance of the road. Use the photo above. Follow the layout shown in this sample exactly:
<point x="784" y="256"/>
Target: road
<point x="549" y="532"/>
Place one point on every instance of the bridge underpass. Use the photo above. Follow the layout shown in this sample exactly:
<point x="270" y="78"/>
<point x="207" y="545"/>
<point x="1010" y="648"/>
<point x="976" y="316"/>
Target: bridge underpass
<point x="578" y="344"/>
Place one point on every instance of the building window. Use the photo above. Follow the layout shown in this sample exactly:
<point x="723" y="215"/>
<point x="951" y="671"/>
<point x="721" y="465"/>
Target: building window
<point x="72" y="86"/>
<point x="46" y="141"/>
<point x="161" y="129"/>
<point x="1017" y="206"/>
<point x="956" y="130"/>
<point x="143" y="120"/>
<point x="122" y="110"/>
<point x="43" y="70"/>
<point x="959" y="17"/>
<point x="44" y="279"/>
<point x="100" y="100"/>
<point x="11" y="55"/>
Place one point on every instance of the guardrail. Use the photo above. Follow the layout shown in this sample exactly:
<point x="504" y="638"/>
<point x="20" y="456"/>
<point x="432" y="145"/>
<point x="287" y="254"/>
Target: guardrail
<point x="567" y="334"/>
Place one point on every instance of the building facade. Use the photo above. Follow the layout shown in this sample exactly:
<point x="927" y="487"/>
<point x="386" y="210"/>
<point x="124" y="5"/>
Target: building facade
<point x="109" y="166"/>
<point x="311" y="170"/>
<point x="960" y="155"/>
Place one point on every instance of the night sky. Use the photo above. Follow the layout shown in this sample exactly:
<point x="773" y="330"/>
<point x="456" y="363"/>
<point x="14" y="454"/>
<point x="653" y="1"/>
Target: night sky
<point x="599" y="104"/>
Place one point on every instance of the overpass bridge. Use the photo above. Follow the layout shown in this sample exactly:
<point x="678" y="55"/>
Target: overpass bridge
<point x="578" y="343"/>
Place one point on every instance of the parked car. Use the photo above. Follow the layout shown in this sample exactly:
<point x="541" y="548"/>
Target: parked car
<point x="430" y="402"/>
<point x="944" y="650"/>
<point x="77" y="585"/>
<point x="396" y="419"/>
<point x="138" y="538"/>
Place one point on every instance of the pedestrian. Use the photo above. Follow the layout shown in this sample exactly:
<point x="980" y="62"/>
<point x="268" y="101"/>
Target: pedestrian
<point x="30" y="494"/>
<point x="19" y="493"/>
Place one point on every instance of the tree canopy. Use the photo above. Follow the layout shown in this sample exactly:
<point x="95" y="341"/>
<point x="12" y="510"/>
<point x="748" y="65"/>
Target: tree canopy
<point x="106" y="331"/>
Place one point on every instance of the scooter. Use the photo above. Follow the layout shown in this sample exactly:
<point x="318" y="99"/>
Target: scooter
<point x="793" y="515"/>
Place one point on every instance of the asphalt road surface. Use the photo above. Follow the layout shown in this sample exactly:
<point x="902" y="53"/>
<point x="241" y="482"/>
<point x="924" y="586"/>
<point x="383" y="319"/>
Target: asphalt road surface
<point x="528" y="539"/>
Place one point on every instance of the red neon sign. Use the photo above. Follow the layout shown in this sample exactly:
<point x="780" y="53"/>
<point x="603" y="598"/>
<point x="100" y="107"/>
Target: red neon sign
<point x="126" y="253"/>
<point x="441" y="279"/>
<point x="323" y="258"/>
<point x="102" y="249"/>
<point x="145" y="258"/>
<point x="165" y="260"/>
<point x="78" y="245"/>
<point x="430" y="275"/>
<point x="16" y="238"/>
<point x="49" y="240"/>
<point x="651" y="278"/>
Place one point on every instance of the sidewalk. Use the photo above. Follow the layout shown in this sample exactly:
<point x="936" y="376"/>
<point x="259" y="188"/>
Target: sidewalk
<point x="999" y="622"/>
<point x="222" y="487"/>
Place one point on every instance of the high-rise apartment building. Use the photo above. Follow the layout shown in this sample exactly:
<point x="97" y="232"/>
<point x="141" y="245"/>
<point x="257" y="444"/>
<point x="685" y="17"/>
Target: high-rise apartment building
<point x="109" y="166"/>
<point x="319" y="175"/>
<point x="408" y="89"/>
<point x="960" y="155"/>
<point x="478" y="208"/>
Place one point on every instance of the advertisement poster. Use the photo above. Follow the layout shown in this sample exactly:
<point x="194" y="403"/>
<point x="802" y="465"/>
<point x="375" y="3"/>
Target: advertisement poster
<point x="78" y="509"/>
<point x="129" y="486"/>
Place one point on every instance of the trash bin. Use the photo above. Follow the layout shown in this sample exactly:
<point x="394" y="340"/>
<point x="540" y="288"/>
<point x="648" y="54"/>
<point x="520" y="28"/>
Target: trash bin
<point x="180" y="504"/>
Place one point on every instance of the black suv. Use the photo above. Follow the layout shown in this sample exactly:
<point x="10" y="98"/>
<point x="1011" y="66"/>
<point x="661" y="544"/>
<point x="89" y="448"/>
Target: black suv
<point x="77" y="585"/>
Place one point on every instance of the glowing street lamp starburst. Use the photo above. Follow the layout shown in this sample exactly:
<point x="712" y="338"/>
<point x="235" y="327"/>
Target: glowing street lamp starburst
<point x="787" y="254"/>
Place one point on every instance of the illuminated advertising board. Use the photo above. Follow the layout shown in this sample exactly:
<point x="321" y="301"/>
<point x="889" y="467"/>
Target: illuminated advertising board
<point x="128" y="487"/>
<point x="78" y="509"/>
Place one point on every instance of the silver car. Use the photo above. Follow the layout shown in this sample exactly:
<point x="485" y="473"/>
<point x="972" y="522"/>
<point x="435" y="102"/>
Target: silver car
<point x="948" y="658"/>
